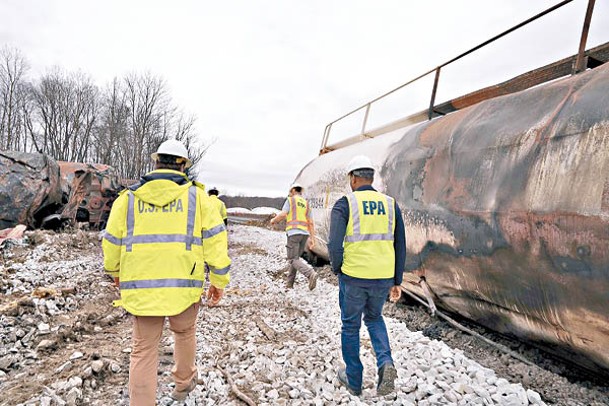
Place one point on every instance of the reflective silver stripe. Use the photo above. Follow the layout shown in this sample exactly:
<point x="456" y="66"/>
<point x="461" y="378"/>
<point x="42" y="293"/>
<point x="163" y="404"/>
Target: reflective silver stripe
<point x="369" y="237"/>
<point x="301" y="223"/>
<point x="357" y="236"/>
<point x="391" y="214"/>
<point x="355" y="211"/>
<point x="130" y="221"/>
<point x="214" y="231"/>
<point x="222" y="271"/>
<point x="160" y="238"/>
<point x="192" y="212"/>
<point x="162" y="283"/>
<point x="293" y="208"/>
<point x="112" y="239"/>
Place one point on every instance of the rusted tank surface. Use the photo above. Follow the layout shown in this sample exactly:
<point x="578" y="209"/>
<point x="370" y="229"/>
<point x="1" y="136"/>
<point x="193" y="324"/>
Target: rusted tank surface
<point x="506" y="207"/>
<point x="91" y="189"/>
<point x="29" y="188"/>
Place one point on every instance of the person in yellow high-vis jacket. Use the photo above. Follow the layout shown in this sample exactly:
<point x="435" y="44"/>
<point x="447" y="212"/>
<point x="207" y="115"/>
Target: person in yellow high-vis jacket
<point x="159" y="236"/>
<point x="213" y="194"/>
<point x="300" y="230"/>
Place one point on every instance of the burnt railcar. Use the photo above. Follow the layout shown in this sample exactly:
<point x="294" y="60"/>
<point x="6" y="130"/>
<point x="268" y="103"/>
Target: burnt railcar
<point x="505" y="202"/>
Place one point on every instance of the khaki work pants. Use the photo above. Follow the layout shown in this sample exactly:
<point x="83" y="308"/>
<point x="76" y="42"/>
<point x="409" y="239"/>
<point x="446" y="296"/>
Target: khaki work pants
<point x="147" y="332"/>
<point x="295" y="247"/>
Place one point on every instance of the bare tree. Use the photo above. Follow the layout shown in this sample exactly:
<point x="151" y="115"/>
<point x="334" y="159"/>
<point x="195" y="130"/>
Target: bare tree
<point x="13" y="68"/>
<point x="64" y="115"/>
<point x="137" y="115"/>
<point x="147" y="101"/>
<point x="112" y="131"/>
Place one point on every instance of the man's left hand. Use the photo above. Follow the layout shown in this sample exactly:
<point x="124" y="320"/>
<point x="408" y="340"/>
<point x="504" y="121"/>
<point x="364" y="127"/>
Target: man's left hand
<point x="311" y="243"/>
<point x="214" y="295"/>
<point x="395" y="293"/>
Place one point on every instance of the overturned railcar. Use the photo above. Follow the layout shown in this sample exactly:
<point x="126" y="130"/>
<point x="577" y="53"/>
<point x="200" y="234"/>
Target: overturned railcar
<point x="506" y="207"/>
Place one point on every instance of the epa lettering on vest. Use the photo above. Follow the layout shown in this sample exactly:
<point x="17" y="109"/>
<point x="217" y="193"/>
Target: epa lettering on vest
<point x="301" y="204"/>
<point x="370" y="207"/>
<point x="175" y="206"/>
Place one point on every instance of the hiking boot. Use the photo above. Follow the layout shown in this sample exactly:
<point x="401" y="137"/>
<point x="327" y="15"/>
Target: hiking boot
<point x="387" y="376"/>
<point x="312" y="280"/>
<point x="181" y="395"/>
<point x="289" y="285"/>
<point x="342" y="378"/>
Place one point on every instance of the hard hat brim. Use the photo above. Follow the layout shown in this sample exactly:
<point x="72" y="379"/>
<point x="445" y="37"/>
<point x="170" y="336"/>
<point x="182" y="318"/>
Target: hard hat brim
<point x="188" y="163"/>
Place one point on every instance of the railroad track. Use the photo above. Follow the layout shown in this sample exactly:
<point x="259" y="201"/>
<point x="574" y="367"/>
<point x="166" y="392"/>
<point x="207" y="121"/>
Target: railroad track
<point x="559" y="381"/>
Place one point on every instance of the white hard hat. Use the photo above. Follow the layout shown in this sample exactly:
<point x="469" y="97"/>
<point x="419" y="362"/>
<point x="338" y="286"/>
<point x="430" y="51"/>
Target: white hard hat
<point x="359" y="162"/>
<point x="295" y="185"/>
<point x="172" y="147"/>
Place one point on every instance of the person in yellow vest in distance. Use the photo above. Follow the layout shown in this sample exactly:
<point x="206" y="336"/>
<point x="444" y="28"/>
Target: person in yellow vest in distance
<point x="213" y="193"/>
<point x="159" y="236"/>
<point x="300" y="230"/>
<point x="367" y="247"/>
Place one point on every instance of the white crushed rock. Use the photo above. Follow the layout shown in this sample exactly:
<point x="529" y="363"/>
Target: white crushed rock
<point x="299" y="366"/>
<point x="294" y="363"/>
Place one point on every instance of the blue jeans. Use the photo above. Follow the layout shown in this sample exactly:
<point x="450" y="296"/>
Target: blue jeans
<point x="356" y="301"/>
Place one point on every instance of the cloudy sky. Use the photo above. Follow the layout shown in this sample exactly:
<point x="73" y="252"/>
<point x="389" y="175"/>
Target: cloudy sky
<point x="264" y="77"/>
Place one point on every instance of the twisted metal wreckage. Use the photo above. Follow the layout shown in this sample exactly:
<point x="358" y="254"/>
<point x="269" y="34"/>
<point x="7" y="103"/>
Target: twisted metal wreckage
<point x="37" y="191"/>
<point x="505" y="202"/>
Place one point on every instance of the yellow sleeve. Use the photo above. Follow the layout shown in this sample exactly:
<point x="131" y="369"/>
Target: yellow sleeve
<point x="215" y="243"/>
<point x="114" y="233"/>
<point x="223" y="210"/>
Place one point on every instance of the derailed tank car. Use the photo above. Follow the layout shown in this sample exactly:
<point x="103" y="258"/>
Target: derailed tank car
<point x="506" y="207"/>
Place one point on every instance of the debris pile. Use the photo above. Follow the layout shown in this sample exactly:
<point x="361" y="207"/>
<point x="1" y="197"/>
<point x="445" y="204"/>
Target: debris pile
<point x="40" y="192"/>
<point x="29" y="188"/>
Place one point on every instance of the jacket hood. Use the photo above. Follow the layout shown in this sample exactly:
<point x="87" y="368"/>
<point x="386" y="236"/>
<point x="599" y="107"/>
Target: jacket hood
<point x="161" y="187"/>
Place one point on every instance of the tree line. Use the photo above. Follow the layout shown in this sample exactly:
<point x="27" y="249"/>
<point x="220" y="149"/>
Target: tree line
<point x="67" y="116"/>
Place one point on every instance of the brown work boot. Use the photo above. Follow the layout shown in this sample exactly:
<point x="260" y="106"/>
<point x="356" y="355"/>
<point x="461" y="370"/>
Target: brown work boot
<point x="312" y="280"/>
<point x="289" y="285"/>
<point x="181" y="395"/>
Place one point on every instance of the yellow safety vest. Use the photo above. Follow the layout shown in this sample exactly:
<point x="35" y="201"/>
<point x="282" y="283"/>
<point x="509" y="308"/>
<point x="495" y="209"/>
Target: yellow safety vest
<point x="368" y="245"/>
<point x="298" y="215"/>
<point x="220" y="206"/>
<point x="157" y="241"/>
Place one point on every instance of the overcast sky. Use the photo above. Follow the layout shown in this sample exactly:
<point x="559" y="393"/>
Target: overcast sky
<point x="265" y="77"/>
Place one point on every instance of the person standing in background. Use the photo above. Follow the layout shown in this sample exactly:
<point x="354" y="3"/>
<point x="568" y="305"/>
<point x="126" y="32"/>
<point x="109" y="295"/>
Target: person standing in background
<point x="300" y="230"/>
<point x="213" y="193"/>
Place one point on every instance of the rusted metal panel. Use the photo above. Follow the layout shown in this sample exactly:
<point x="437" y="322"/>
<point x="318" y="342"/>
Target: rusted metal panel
<point x="506" y="205"/>
<point x="29" y="188"/>
<point x="91" y="188"/>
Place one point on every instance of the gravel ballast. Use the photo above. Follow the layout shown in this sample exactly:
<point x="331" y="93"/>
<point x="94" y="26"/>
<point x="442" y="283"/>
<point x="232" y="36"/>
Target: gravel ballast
<point x="68" y="346"/>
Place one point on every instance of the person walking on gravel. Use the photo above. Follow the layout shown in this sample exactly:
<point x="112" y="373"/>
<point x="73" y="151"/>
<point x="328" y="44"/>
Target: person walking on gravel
<point x="213" y="194"/>
<point x="367" y="247"/>
<point x="159" y="236"/>
<point x="300" y="230"/>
